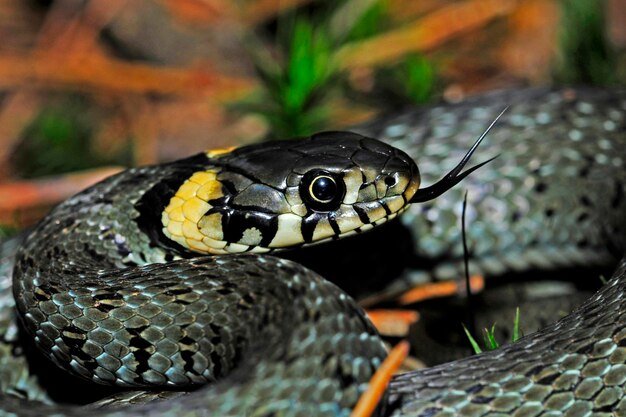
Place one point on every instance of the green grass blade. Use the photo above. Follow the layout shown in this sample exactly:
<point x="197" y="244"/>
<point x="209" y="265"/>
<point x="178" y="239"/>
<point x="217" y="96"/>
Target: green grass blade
<point x="472" y="341"/>
<point x="516" y="328"/>
<point x="490" y="337"/>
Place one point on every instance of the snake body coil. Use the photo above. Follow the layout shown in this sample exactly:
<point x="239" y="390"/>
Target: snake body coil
<point x="105" y="286"/>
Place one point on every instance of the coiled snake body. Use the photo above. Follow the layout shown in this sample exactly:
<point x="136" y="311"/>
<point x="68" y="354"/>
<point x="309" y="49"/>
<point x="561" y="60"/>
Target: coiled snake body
<point x="105" y="286"/>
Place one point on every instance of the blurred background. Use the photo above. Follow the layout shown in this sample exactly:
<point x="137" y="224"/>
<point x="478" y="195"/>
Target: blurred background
<point x="90" y="86"/>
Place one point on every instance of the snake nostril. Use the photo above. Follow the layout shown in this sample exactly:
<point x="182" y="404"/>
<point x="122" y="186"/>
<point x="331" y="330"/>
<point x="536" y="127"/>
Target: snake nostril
<point x="390" y="181"/>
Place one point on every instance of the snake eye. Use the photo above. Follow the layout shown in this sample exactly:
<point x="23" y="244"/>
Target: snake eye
<point x="321" y="190"/>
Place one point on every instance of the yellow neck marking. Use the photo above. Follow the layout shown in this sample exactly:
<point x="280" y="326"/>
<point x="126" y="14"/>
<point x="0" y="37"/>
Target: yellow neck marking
<point x="184" y="218"/>
<point x="212" y="153"/>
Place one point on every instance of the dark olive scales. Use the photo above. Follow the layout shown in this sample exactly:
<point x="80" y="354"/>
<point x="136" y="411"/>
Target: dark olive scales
<point x="115" y="305"/>
<point x="554" y="197"/>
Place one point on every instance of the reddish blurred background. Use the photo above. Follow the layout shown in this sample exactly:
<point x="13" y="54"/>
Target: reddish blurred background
<point x="89" y="86"/>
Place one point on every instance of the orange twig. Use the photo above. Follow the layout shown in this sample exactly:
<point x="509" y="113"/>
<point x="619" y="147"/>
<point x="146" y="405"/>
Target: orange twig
<point x="58" y="27"/>
<point x="434" y="29"/>
<point x="21" y="200"/>
<point x="95" y="16"/>
<point x="100" y="73"/>
<point x="393" y="322"/>
<point x="71" y="27"/>
<point x="440" y="289"/>
<point x="199" y="11"/>
<point x="378" y="384"/>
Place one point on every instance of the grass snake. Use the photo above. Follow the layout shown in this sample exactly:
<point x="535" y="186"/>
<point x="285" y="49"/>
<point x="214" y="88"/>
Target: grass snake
<point x="296" y="344"/>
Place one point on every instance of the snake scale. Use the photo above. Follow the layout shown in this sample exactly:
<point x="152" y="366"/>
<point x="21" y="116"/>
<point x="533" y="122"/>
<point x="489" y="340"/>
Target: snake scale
<point x="135" y="309"/>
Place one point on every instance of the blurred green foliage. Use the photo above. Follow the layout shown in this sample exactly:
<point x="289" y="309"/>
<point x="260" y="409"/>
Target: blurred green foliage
<point x="413" y="80"/>
<point x="373" y="21"/>
<point x="58" y="140"/>
<point x="299" y="85"/>
<point x="585" y="54"/>
<point x="297" y="88"/>
<point x="6" y="231"/>
<point x="308" y="66"/>
<point x="300" y="79"/>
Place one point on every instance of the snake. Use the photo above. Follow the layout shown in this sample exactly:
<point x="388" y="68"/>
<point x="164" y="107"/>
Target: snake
<point x="119" y="285"/>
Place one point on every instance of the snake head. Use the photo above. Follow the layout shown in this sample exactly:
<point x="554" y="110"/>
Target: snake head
<point x="286" y="194"/>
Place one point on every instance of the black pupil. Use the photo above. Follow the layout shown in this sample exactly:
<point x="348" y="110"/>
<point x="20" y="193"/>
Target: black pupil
<point x="324" y="188"/>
